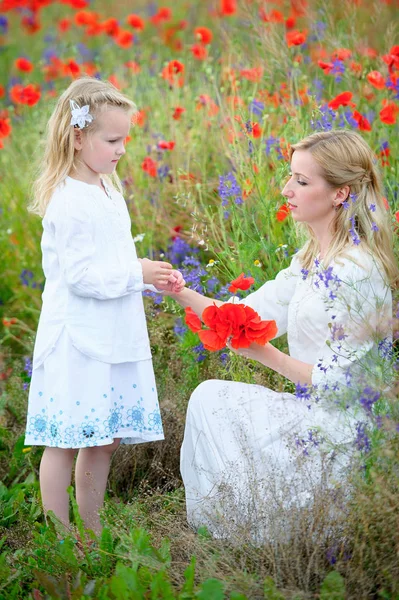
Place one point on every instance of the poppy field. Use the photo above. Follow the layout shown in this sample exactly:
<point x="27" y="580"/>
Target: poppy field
<point x="222" y="88"/>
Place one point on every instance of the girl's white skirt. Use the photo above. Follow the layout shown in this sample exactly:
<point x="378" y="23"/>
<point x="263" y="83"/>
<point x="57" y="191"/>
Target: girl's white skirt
<point x="76" y="401"/>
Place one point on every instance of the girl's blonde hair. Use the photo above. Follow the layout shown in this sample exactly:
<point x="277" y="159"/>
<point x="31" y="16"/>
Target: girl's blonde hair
<point x="346" y="159"/>
<point x="59" y="155"/>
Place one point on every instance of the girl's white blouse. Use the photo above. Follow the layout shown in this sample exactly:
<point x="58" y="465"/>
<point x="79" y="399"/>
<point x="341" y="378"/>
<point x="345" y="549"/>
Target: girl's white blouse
<point x="94" y="281"/>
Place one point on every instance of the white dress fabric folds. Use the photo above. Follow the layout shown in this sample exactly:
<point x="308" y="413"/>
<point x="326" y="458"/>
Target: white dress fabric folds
<point x="92" y="378"/>
<point x="247" y="448"/>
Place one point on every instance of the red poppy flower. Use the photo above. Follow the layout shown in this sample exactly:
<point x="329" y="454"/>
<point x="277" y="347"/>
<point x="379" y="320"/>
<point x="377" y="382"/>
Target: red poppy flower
<point x="139" y="118"/>
<point x="255" y="74"/>
<point x="133" y="66"/>
<point x="290" y="23"/>
<point x="203" y="34"/>
<point x="392" y="59"/>
<point x="149" y="166"/>
<point x="385" y="201"/>
<point x="199" y="51"/>
<point x="274" y="16"/>
<point x="282" y="212"/>
<point x="163" y="14"/>
<point x="228" y="7"/>
<point x="362" y="123"/>
<point x="78" y="3"/>
<point x="5" y="125"/>
<point x="237" y="322"/>
<point x="71" y="68"/>
<point x="124" y="38"/>
<point x="341" y="54"/>
<point x="343" y="99"/>
<point x="356" y="67"/>
<point x="135" y="21"/>
<point x="173" y="73"/>
<point x="241" y="283"/>
<point x="64" y="25"/>
<point x="397" y="216"/>
<point x="326" y="66"/>
<point x="85" y="17"/>
<point x="295" y="38"/>
<point x="389" y="113"/>
<point x="376" y="79"/>
<point x="177" y="113"/>
<point x="30" y="24"/>
<point x="163" y="145"/>
<point x="29" y="94"/>
<point x="192" y="320"/>
<point x="23" y="64"/>
<point x="206" y="101"/>
<point x="111" y="26"/>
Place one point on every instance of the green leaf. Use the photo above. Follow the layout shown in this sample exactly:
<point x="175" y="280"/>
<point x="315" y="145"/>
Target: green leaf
<point x="161" y="587"/>
<point x="333" y="587"/>
<point x="270" y="591"/>
<point x="211" y="589"/>
<point x="188" y="588"/>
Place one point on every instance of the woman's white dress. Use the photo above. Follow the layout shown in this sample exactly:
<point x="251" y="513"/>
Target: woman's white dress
<point x="247" y="448"/>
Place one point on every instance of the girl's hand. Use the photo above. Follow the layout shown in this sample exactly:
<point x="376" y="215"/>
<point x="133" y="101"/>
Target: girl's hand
<point x="155" y="272"/>
<point x="175" y="284"/>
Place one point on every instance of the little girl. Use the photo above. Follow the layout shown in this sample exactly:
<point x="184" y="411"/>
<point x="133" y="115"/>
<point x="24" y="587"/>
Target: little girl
<point x="92" y="382"/>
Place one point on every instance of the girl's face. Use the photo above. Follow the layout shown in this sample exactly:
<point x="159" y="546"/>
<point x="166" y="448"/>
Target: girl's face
<point x="100" y="151"/>
<point x="308" y="195"/>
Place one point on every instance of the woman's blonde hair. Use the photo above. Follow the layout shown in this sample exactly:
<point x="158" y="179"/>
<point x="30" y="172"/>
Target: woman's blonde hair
<point x="59" y="155"/>
<point x="346" y="159"/>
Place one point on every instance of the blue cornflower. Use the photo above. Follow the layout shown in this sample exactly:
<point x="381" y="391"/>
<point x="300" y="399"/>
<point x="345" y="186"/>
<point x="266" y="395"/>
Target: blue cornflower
<point x="256" y="107"/>
<point x="271" y="143"/>
<point x="200" y="352"/>
<point x="374" y="227"/>
<point x="326" y="120"/>
<point x="229" y="188"/>
<point x="372" y="208"/>
<point x="3" y="24"/>
<point x="337" y="69"/>
<point x="179" y="327"/>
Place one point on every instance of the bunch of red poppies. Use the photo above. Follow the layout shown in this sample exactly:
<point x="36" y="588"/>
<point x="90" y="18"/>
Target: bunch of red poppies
<point x="237" y="323"/>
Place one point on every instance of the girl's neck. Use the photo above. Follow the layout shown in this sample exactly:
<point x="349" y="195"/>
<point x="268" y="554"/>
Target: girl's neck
<point x="87" y="176"/>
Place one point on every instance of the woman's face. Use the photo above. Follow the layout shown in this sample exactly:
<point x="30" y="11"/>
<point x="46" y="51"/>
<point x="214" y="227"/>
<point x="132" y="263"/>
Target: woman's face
<point x="308" y="195"/>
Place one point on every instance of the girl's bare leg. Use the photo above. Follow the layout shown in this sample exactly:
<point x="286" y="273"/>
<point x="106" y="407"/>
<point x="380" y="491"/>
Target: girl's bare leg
<point x="55" y="478"/>
<point x="91" y="474"/>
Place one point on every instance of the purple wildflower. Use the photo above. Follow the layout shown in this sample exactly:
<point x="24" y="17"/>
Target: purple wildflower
<point x="362" y="441"/>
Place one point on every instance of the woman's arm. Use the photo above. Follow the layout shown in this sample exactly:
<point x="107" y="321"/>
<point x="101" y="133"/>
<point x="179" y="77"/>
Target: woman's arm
<point x="291" y="368"/>
<point x="196" y="301"/>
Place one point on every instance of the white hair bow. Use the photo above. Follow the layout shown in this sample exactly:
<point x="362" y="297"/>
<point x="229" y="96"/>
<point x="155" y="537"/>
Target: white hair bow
<point x="80" y="115"/>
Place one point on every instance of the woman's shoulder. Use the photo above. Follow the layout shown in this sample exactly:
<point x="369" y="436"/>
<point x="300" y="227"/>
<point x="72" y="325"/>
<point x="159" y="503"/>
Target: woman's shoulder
<point x="358" y="263"/>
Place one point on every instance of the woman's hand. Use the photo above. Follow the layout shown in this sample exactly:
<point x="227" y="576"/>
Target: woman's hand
<point x="254" y="351"/>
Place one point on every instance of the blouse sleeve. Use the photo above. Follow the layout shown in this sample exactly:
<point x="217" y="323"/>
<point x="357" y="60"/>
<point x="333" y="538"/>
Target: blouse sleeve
<point x="74" y="238"/>
<point x="360" y="320"/>
<point x="271" y="300"/>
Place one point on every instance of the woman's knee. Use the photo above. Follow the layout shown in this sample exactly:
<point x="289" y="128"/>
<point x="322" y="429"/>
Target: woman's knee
<point x="204" y="395"/>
